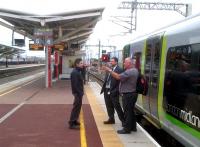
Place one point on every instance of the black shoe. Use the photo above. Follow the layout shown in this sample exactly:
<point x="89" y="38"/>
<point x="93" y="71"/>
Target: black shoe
<point x="76" y="127"/>
<point x="123" y="131"/>
<point x="77" y="123"/>
<point x="109" y="122"/>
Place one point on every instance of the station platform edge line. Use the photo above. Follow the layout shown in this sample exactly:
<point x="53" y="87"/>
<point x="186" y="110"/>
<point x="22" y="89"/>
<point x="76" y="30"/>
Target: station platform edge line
<point x="140" y="139"/>
<point x="107" y="133"/>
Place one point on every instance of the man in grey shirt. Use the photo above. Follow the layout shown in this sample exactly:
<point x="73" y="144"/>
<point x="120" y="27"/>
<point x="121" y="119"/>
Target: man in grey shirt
<point x="127" y="89"/>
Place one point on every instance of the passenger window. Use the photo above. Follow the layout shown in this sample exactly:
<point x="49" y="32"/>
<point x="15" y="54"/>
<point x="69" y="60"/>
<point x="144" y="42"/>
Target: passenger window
<point x="182" y="82"/>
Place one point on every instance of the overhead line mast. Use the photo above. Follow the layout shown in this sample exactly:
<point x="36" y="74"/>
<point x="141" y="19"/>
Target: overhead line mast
<point x="131" y="20"/>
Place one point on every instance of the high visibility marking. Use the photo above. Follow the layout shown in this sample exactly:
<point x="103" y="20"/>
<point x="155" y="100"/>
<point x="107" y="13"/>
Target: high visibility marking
<point x="30" y="82"/>
<point x="82" y="131"/>
<point x="18" y="87"/>
<point x="17" y="107"/>
<point x="10" y="91"/>
<point x="11" y="112"/>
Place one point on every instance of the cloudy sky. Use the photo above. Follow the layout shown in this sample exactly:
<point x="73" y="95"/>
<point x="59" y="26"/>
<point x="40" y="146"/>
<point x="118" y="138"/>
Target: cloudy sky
<point x="106" y="31"/>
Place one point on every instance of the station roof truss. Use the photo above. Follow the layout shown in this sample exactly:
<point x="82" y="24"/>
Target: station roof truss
<point x="68" y="27"/>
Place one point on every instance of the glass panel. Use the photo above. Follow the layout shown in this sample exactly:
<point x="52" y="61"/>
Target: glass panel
<point x="147" y="70"/>
<point x="152" y="69"/>
<point x="126" y="52"/>
<point x="155" y="77"/>
<point x="182" y="84"/>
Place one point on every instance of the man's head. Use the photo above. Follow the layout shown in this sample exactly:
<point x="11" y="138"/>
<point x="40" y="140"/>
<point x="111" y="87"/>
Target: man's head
<point x="78" y="63"/>
<point x="113" y="61"/>
<point x="128" y="63"/>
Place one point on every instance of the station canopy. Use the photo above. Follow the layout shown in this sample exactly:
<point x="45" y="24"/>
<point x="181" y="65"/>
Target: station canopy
<point x="71" y="28"/>
<point x="9" y="51"/>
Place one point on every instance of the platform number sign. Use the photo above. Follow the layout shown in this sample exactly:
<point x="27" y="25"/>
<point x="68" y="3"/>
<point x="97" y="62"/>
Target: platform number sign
<point x="43" y="36"/>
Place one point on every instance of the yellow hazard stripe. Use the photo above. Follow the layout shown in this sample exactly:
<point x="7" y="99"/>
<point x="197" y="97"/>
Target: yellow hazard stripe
<point x="17" y="87"/>
<point x="10" y="91"/>
<point x="82" y="131"/>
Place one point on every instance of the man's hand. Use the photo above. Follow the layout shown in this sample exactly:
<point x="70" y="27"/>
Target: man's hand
<point x="105" y="68"/>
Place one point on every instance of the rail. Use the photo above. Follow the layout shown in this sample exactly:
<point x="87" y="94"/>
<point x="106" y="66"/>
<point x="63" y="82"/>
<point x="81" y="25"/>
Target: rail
<point x="15" y="71"/>
<point x="93" y="76"/>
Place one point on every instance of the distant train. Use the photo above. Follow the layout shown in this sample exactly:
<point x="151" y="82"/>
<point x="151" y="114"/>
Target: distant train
<point x="170" y="60"/>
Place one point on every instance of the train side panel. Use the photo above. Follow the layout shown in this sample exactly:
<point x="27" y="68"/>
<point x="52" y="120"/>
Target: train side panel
<point x="179" y="96"/>
<point x="170" y="59"/>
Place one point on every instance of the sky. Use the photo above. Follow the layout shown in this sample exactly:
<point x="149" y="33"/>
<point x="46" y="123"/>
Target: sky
<point x="147" y="21"/>
<point x="105" y="31"/>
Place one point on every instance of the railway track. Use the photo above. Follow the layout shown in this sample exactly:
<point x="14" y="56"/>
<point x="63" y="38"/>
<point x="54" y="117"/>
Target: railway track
<point x="94" y="76"/>
<point x="16" y="71"/>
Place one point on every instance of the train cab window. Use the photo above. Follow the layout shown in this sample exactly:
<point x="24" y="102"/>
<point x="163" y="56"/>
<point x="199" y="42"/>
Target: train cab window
<point x="182" y="81"/>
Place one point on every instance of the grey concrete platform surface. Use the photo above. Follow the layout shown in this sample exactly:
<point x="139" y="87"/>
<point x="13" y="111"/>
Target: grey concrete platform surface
<point x="136" y="139"/>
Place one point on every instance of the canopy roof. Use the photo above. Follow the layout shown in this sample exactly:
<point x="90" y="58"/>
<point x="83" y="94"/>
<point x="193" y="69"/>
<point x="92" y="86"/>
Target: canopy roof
<point x="67" y="27"/>
<point x="9" y="51"/>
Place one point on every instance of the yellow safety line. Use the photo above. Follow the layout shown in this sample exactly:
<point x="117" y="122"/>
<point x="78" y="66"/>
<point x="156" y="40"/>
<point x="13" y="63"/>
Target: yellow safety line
<point x="30" y="82"/>
<point x="107" y="133"/>
<point x="82" y="131"/>
<point x="17" y="87"/>
<point x="10" y="91"/>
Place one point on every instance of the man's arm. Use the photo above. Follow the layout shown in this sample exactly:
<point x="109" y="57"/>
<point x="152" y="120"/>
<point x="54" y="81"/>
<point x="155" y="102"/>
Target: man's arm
<point x="112" y="73"/>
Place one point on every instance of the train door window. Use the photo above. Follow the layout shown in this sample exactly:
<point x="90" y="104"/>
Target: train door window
<point x="153" y="50"/>
<point x="147" y="69"/>
<point x="182" y="83"/>
<point x="126" y="51"/>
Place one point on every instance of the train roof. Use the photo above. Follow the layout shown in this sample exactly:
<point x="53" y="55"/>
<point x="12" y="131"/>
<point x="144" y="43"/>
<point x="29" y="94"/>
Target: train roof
<point x="173" y="26"/>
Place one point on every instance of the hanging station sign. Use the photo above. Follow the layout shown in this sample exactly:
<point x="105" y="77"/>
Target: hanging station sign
<point x="43" y="37"/>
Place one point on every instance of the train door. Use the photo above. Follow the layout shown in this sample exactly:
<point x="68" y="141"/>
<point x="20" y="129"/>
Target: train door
<point x="152" y="68"/>
<point x="126" y="52"/>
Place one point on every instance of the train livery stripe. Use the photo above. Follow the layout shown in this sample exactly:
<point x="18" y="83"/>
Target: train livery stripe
<point x="161" y="78"/>
<point x="183" y="126"/>
<point x="143" y="56"/>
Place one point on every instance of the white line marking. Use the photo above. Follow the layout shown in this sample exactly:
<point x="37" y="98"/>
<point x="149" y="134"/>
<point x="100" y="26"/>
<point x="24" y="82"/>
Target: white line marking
<point x="31" y="81"/>
<point x="19" y="87"/>
<point x="147" y="134"/>
<point x="11" y="112"/>
<point x="10" y="91"/>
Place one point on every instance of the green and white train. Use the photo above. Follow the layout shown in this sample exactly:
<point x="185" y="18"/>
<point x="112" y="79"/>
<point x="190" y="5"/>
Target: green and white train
<point x="170" y="60"/>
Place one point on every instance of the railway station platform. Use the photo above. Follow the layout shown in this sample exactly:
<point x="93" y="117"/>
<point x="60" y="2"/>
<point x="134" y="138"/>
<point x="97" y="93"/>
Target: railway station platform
<point x="34" y="116"/>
